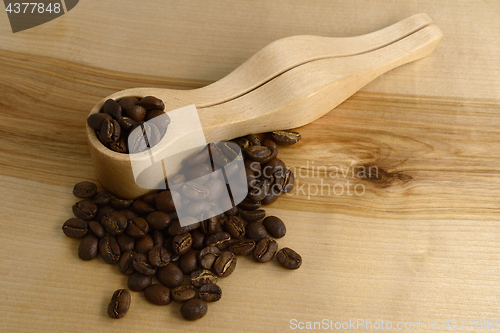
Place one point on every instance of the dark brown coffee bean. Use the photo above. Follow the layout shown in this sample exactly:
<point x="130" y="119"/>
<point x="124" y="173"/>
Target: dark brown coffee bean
<point x="138" y="282"/>
<point x="188" y="262"/>
<point x="85" y="210"/>
<point x="265" y="249"/>
<point x="256" y="231"/>
<point x="142" y="208"/>
<point x="109" y="250"/>
<point x="183" y="293"/>
<point x="125" y="264"/>
<point x="198" y="239"/>
<point x="129" y="214"/>
<point x="119" y="204"/>
<point x="97" y="229"/>
<point x="232" y="212"/>
<point x="144" y="244"/>
<point x="288" y="258"/>
<point x="112" y="108"/>
<point x="199" y="173"/>
<point x="170" y="276"/>
<point x="158" y="220"/>
<point x="75" y="228"/>
<point x="243" y="247"/>
<point x="253" y="215"/>
<point x="285" y="138"/>
<point x="288" y="182"/>
<point x="110" y="131"/>
<point x="220" y="240"/>
<point x="101" y="198"/>
<point x="234" y="227"/>
<point x="208" y="255"/>
<point x="210" y="293"/>
<point x="158" y="256"/>
<point x="114" y="223"/>
<point x="135" y="112"/>
<point x="196" y="208"/>
<point x="103" y="211"/>
<point x="95" y="120"/>
<point x="249" y="204"/>
<point x="128" y="101"/>
<point x="158" y="238"/>
<point x="151" y="102"/>
<point x="272" y="195"/>
<point x="142" y="265"/>
<point x="194" y="191"/>
<point x="209" y="224"/>
<point x="176" y="229"/>
<point x="165" y="201"/>
<point x="269" y="143"/>
<point x="150" y="198"/>
<point x="274" y="226"/>
<point x="225" y="264"/>
<point x="137" y="138"/>
<point x="258" y="153"/>
<point x="259" y="189"/>
<point x="194" y="309"/>
<point x="137" y="227"/>
<point x="126" y="124"/>
<point x="119" y="304"/>
<point x="158" y="294"/>
<point x="126" y="242"/>
<point x="159" y="118"/>
<point x="175" y="182"/>
<point x="120" y="145"/>
<point x="201" y="277"/>
<point x="218" y="157"/>
<point x="88" y="248"/>
<point x="254" y="139"/>
<point x="84" y="190"/>
<point x="182" y="243"/>
<point x="197" y="158"/>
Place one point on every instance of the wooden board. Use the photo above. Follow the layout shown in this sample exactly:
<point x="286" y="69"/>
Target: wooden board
<point x="420" y="244"/>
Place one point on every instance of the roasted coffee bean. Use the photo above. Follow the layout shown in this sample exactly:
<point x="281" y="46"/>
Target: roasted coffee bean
<point x="232" y="212"/>
<point x="201" y="277"/>
<point x="170" y="276"/>
<point x="150" y="198"/>
<point x="243" y="247"/>
<point x="125" y="264"/>
<point x="234" y="227"/>
<point x="97" y="229"/>
<point x="144" y="244"/>
<point x="129" y="214"/>
<point x="153" y="134"/>
<point x="194" y="309"/>
<point x="208" y="255"/>
<point x="176" y="229"/>
<point x="138" y="282"/>
<point x="126" y="242"/>
<point x="265" y="249"/>
<point x="95" y="120"/>
<point x="128" y="101"/>
<point x="230" y="149"/>
<point x="183" y="293"/>
<point x="272" y="195"/>
<point x="109" y="250"/>
<point x="119" y="204"/>
<point x="142" y="265"/>
<point x="110" y="131"/>
<point x="126" y="124"/>
<point x="259" y="190"/>
<point x="158" y="294"/>
<point x="269" y="143"/>
<point x="188" y="262"/>
<point x="253" y="215"/>
<point x="288" y="182"/>
<point x="243" y="143"/>
<point x="198" y="239"/>
<point x="103" y="211"/>
<point x="225" y="264"/>
<point x="75" y="228"/>
<point x="134" y="112"/>
<point x="88" y="248"/>
<point x="119" y="146"/>
<point x="175" y="182"/>
<point x="158" y="220"/>
<point x="112" y="108"/>
<point x="158" y="256"/>
<point x="137" y="138"/>
<point x="85" y="210"/>
<point x="258" y="153"/>
<point x="288" y="258"/>
<point x="209" y="225"/>
<point x="182" y="243"/>
<point x="198" y="207"/>
<point x="142" y="208"/>
<point x="255" y="167"/>
<point x="220" y="240"/>
<point x="158" y="238"/>
<point x="159" y="118"/>
<point x="137" y="227"/>
<point x="119" y="304"/>
<point x="218" y="156"/>
<point x="84" y="190"/>
<point x="151" y="102"/>
<point x="285" y="138"/>
<point x="256" y="231"/>
<point x="165" y="201"/>
<point x="210" y="293"/>
<point x="254" y="139"/>
<point x="197" y="158"/>
<point x="249" y="204"/>
<point x="101" y="198"/>
<point x="114" y="223"/>
<point x="194" y="191"/>
<point x="200" y="173"/>
<point x="274" y="226"/>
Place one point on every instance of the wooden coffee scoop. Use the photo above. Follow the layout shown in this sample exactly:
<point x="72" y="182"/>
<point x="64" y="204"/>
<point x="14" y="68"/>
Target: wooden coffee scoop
<point x="289" y="83"/>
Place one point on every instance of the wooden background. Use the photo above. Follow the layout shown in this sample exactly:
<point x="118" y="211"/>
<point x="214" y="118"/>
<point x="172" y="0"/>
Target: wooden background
<point x="421" y="244"/>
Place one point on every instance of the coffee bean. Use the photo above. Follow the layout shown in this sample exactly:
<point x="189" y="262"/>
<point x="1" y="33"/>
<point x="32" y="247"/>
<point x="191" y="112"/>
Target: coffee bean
<point x="119" y="304"/>
<point x="135" y="112"/>
<point x="218" y="157"/>
<point x="232" y="211"/>
<point x="269" y="143"/>
<point x="254" y="139"/>
<point x="109" y="250"/>
<point x="85" y="210"/>
<point x="288" y="182"/>
<point x="119" y="146"/>
<point x="243" y="247"/>
<point x="118" y="203"/>
<point x="176" y="229"/>
<point x="103" y="211"/>
<point x="234" y="227"/>
<point x="176" y="181"/>
<point x="137" y="227"/>
<point x="197" y="158"/>
<point x="285" y="138"/>
<point x="210" y="293"/>
<point x="258" y="153"/>
<point x="199" y="173"/>
<point x="198" y="239"/>
<point x="125" y="264"/>
<point x="274" y="226"/>
<point x="158" y="238"/>
<point x="209" y="224"/>
<point x="158" y="220"/>
<point x="110" y="131"/>
<point x="259" y="189"/>
<point x="151" y="102"/>
<point x="97" y="229"/>
<point x="188" y="262"/>
<point x="112" y="108"/>
<point x="95" y="120"/>
<point x="194" y="309"/>
<point x="129" y="214"/>
<point x="272" y="195"/>
<point x="253" y="215"/>
<point x="114" y="223"/>
<point x="126" y="123"/>
<point x="159" y="118"/>
<point x="288" y="258"/>
<point x="128" y="101"/>
<point x="225" y="264"/>
<point x="144" y="244"/>
<point x="194" y="191"/>
<point x="256" y="231"/>
<point x="243" y="143"/>
<point x="158" y="294"/>
<point x="182" y="243"/>
<point x="138" y="282"/>
<point x="208" y="255"/>
<point x="142" y="265"/>
<point x="201" y="277"/>
<point x="126" y="242"/>
<point x="265" y="250"/>
<point x="183" y="293"/>
<point x="158" y="256"/>
<point x="84" y="190"/>
<point x="150" y="198"/>
<point x="248" y="204"/>
<point x="165" y="201"/>
<point x="215" y="189"/>
<point x="198" y="207"/>
<point x="142" y="208"/>
<point x="88" y="248"/>
<point x="170" y="276"/>
<point x="75" y="228"/>
<point x="101" y="198"/>
<point x="220" y="240"/>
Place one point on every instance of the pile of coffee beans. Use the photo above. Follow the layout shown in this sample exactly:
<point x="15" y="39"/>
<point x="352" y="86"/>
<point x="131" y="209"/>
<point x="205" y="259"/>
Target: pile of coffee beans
<point x="119" y="118"/>
<point x="167" y="261"/>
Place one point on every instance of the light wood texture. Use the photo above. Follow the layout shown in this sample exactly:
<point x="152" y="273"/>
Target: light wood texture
<point x="420" y="244"/>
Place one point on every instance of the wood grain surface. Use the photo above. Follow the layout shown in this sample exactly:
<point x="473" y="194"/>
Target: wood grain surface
<point x="420" y="244"/>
